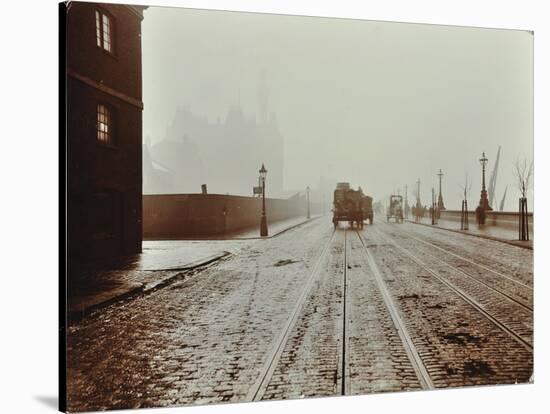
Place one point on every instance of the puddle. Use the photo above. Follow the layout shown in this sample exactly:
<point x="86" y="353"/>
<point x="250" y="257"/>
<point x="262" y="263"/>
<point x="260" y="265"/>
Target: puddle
<point x="285" y="262"/>
<point x="461" y="338"/>
<point x="477" y="368"/>
<point x="413" y="296"/>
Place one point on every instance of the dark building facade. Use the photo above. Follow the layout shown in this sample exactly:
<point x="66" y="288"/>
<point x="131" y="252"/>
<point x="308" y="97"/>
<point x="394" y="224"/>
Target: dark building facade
<point x="104" y="130"/>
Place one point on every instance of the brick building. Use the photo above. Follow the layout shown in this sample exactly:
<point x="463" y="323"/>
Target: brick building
<point x="104" y="130"/>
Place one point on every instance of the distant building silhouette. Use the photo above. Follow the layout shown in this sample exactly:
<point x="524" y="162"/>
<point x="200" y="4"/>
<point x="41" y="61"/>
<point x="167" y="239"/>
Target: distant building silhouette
<point x="226" y="154"/>
<point x="104" y="132"/>
<point x="157" y="178"/>
<point x="263" y="98"/>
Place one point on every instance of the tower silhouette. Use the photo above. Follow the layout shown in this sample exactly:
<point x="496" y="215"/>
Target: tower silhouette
<point x="263" y="97"/>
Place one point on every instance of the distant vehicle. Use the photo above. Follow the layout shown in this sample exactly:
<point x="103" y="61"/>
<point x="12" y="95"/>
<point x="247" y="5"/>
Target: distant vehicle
<point x="395" y="209"/>
<point x="351" y="205"/>
<point x="368" y="213"/>
<point x="378" y="207"/>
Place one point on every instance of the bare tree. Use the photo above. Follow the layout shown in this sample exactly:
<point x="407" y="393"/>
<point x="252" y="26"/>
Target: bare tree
<point x="464" y="225"/>
<point x="465" y="189"/>
<point x="524" y="174"/>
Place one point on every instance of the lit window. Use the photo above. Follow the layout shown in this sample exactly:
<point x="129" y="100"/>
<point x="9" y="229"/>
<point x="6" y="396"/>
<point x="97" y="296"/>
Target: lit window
<point x="104" y="125"/>
<point x="103" y="31"/>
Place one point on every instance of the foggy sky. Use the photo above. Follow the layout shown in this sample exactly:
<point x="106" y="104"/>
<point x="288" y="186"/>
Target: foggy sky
<point x="377" y="104"/>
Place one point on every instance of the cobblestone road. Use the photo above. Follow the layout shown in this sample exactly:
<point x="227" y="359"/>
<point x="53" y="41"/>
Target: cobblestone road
<point x="313" y="312"/>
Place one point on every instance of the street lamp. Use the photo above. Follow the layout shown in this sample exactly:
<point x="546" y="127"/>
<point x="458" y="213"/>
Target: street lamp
<point x="308" y="212"/>
<point x="484" y="201"/>
<point x="418" y="193"/>
<point x="406" y="203"/>
<point x="440" y="204"/>
<point x="418" y="209"/>
<point x="434" y="208"/>
<point x="263" y="222"/>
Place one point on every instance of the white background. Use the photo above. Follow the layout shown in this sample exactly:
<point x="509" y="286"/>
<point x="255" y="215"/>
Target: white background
<point x="29" y="206"/>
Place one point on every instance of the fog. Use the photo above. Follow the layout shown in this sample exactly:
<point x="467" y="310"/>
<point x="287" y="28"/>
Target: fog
<point x="320" y="100"/>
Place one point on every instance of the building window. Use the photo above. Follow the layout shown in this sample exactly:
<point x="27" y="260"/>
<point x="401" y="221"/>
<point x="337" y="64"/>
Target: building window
<point x="104" y="125"/>
<point x="104" y="31"/>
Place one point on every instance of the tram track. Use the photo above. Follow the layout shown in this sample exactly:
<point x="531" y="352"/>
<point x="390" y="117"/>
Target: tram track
<point x="356" y="315"/>
<point x="342" y="373"/>
<point x="496" y="320"/>
<point x="508" y="278"/>
<point x="294" y="351"/>
<point x="344" y="364"/>
<point x="408" y="344"/>
<point x="526" y="292"/>
<point x="287" y="341"/>
<point x="258" y="389"/>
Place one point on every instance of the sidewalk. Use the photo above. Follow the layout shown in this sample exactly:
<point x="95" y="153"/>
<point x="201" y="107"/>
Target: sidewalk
<point x="499" y="233"/>
<point x="90" y="289"/>
<point x="160" y="262"/>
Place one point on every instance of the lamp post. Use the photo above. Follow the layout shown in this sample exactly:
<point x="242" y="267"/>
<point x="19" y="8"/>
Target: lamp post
<point x="484" y="201"/>
<point x="263" y="222"/>
<point x="406" y="204"/>
<point x="464" y="225"/>
<point x="434" y="208"/>
<point x="308" y="211"/>
<point x="440" y="205"/>
<point x="418" y="209"/>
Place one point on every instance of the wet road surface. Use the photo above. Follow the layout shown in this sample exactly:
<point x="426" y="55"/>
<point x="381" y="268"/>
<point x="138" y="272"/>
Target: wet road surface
<point x="315" y="312"/>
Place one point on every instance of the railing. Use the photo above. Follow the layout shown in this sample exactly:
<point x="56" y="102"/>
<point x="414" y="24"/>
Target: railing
<point x="492" y="218"/>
